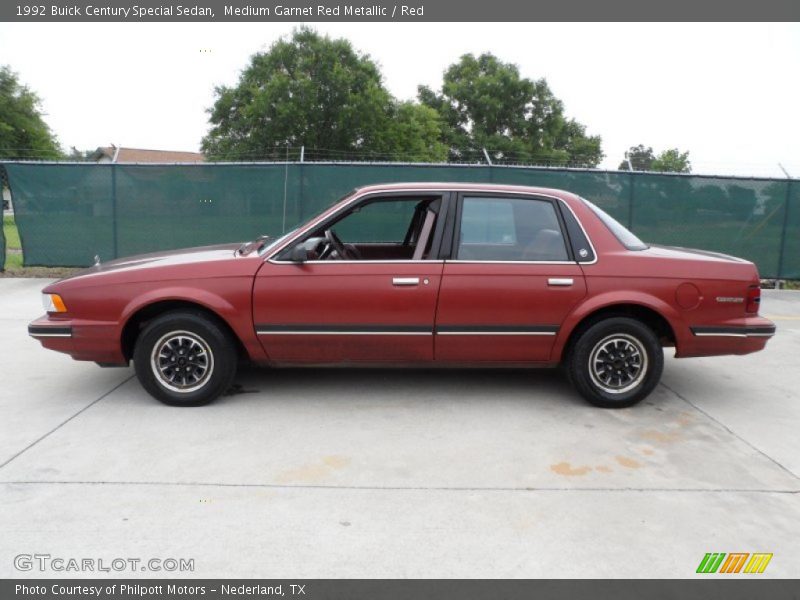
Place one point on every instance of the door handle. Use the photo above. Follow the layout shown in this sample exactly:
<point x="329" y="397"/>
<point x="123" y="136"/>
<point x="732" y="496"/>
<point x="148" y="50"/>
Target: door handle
<point x="563" y="281"/>
<point x="405" y="281"/>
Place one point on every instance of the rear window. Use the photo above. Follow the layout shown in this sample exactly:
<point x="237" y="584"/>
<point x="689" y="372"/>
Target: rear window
<point x="625" y="237"/>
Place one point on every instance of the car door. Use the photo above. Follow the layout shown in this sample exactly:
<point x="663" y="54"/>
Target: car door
<point x="367" y="310"/>
<point x="510" y="283"/>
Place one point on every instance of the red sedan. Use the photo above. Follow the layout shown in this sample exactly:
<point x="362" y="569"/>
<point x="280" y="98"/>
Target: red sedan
<point x="415" y="274"/>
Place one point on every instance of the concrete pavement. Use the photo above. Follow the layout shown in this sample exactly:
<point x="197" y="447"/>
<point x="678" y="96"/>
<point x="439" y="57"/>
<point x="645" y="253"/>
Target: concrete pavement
<point x="406" y="473"/>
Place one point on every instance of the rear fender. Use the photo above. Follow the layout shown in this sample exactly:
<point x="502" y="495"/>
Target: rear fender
<point x="608" y="300"/>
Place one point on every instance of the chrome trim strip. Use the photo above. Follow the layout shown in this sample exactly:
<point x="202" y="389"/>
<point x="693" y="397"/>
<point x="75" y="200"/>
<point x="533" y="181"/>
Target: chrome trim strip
<point x="344" y="332"/>
<point x="49" y="331"/>
<point x="740" y="335"/>
<point x="38" y="335"/>
<point x="496" y="333"/>
<point x="359" y="262"/>
<point x="732" y="331"/>
<point x="513" y="262"/>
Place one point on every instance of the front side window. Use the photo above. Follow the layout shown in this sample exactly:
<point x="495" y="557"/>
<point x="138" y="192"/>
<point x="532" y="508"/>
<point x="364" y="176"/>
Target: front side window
<point x="378" y="222"/>
<point x="510" y="229"/>
<point x="378" y="229"/>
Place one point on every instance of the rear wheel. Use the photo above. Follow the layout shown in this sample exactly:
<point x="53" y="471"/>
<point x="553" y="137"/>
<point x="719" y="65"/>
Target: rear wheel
<point x="185" y="359"/>
<point x="616" y="362"/>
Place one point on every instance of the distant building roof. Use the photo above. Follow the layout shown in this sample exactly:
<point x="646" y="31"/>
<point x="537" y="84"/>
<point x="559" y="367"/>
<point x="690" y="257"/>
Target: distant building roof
<point x="118" y="154"/>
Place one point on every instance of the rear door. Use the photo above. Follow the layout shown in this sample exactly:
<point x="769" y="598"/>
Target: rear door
<point x="510" y="283"/>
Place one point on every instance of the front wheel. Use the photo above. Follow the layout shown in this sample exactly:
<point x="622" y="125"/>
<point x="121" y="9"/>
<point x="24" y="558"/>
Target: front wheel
<point x="616" y="362"/>
<point x="185" y="359"/>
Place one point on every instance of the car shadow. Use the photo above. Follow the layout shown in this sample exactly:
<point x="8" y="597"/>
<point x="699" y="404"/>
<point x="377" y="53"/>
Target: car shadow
<point x="379" y="384"/>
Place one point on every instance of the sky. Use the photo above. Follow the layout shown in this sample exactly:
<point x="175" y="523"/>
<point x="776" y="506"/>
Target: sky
<point x="728" y="93"/>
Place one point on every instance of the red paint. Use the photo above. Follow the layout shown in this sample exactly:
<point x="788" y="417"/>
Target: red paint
<point x="680" y="285"/>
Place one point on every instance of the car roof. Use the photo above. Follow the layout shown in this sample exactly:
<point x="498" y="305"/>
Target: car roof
<point x="461" y="186"/>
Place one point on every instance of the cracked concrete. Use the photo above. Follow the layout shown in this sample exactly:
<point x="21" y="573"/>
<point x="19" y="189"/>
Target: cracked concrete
<point x="407" y="473"/>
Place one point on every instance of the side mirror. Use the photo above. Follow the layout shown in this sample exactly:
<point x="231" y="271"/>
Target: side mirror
<point x="299" y="254"/>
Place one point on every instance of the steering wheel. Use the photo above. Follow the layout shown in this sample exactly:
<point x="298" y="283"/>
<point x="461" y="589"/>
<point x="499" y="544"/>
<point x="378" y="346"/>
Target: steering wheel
<point x="334" y="242"/>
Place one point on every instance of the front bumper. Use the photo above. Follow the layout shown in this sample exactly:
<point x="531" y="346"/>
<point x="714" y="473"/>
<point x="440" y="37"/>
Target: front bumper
<point x="96" y="341"/>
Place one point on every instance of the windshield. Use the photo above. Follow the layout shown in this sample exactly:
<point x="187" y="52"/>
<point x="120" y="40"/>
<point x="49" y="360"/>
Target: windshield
<point x="625" y="237"/>
<point x="273" y="243"/>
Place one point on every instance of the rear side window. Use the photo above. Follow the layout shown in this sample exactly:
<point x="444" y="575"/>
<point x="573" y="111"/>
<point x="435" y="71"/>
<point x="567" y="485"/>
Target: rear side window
<point x="625" y="237"/>
<point x="510" y="229"/>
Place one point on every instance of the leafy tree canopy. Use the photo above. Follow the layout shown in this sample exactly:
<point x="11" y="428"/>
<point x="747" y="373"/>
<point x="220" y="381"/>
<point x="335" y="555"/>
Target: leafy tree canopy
<point x="485" y="103"/>
<point x="320" y="93"/>
<point x="672" y="161"/>
<point x="23" y="132"/>
<point x="643" y="159"/>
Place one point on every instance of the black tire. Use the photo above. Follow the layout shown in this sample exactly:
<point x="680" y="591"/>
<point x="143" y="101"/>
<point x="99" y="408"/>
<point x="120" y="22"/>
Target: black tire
<point x="195" y="340"/>
<point x="629" y="361"/>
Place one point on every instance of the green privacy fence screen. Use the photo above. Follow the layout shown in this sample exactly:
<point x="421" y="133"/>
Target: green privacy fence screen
<point x="68" y="213"/>
<point x="2" y="233"/>
<point x="2" y="249"/>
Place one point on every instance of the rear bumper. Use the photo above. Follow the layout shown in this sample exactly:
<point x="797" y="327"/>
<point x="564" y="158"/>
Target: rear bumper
<point x="743" y="336"/>
<point x="83" y="340"/>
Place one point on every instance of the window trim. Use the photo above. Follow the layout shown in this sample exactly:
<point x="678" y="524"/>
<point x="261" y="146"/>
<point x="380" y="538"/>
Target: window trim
<point x="444" y="195"/>
<point x="594" y="208"/>
<point x="552" y="200"/>
<point x="450" y="206"/>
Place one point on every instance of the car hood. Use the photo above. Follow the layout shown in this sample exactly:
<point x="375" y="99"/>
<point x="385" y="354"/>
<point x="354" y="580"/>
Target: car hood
<point x="187" y="263"/>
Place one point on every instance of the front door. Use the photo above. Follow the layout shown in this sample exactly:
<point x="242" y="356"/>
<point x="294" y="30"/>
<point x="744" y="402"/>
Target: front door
<point x="366" y="293"/>
<point x="511" y="282"/>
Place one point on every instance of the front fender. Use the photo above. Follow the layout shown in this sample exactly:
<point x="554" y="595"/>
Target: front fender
<point x="238" y="318"/>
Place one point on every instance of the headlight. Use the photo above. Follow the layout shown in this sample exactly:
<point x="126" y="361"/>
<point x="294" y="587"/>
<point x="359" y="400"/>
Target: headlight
<point x="53" y="303"/>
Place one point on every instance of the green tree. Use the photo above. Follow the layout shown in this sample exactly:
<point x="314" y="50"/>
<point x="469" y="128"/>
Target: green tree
<point x="413" y="133"/>
<point x="23" y="132"/>
<point x="644" y="159"/>
<point x="485" y="103"/>
<point x="638" y="158"/>
<point x="320" y="93"/>
<point x="672" y="161"/>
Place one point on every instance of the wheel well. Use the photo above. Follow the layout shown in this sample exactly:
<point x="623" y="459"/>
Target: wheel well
<point x="651" y="318"/>
<point x="139" y="320"/>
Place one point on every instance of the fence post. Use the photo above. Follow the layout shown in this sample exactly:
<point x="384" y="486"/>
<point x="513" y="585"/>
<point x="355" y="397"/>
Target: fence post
<point x="489" y="162"/>
<point x="783" y="228"/>
<point x="630" y="201"/>
<point x="114" y="210"/>
<point x="301" y="193"/>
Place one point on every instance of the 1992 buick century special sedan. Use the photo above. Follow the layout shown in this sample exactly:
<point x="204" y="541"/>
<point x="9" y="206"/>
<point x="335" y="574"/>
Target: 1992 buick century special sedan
<point x="415" y="274"/>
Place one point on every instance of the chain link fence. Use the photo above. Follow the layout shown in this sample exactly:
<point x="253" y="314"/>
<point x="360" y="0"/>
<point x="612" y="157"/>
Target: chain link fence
<point x="68" y="213"/>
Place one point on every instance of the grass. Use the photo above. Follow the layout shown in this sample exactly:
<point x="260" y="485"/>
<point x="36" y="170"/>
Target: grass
<point x="13" y="266"/>
<point x="11" y="233"/>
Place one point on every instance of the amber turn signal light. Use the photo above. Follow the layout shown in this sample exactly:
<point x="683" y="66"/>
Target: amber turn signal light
<point x="53" y="303"/>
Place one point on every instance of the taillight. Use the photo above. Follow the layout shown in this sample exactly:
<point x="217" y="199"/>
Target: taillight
<point x="753" y="299"/>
